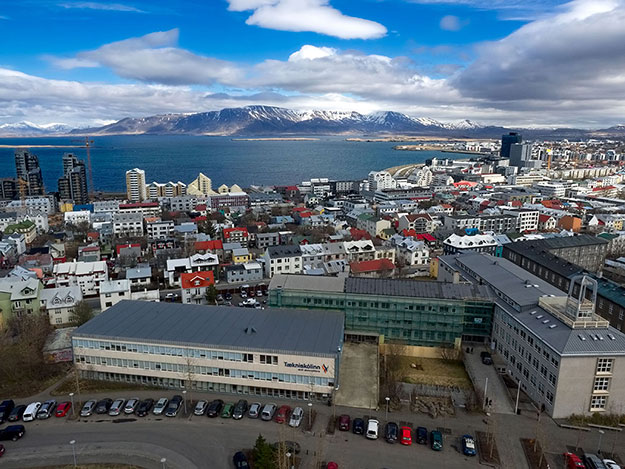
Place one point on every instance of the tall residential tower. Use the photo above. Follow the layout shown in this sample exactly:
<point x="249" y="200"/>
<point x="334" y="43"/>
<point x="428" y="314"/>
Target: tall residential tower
<point x="73" y="183"/>
<point x="29" y="172"/>
<point x="135" y="185"/>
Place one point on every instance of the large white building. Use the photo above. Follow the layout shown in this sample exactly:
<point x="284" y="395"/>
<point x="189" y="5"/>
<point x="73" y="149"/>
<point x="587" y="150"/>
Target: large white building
<point x="135" y="185"/>
<point x="380" y="180"/>
<point x="195" y="263"/>
<point x="273" y="352"/>
<point x="127" y="224"/>
<point x="87" y="275"/>
<point x="284" y="259"/>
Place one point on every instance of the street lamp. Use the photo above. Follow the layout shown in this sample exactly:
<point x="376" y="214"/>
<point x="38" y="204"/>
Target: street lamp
<point x="184" y="400"/>
<point x="163" y="461"/>
<point x="72" y="443"/>
<point x="288" y="460"/>
<point x="71" y="396"/>
<point x="601" y="432"/>
<point x="387" y="399"/>
<point x="310" y="415"/>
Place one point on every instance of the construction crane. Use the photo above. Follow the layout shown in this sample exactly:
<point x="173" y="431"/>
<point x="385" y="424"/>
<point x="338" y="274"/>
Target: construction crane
<point x="87" y="145"/>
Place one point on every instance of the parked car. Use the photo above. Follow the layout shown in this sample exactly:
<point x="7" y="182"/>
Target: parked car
<point x="422" y="435"/>
<point x="468" y="445"/>
<point x="31" y="412"/>
<point x="144" y="407"/>
<point x="46" y="410"/>
<point x="240" y="461"/>
<point x="131" y="405"/>
<point x="12" y="432"/>
<point x="160" y="406"/>
<point x="573" y="461"/>
<point x="239" y="409"/>
<point x="259" y="293"/>
<point x="243" y="294"/>
<point x="332" y="465"/>
<point x="406" y="436"/>
<point x="228" y="297"/>
<point x="219" y="298"/>
<point x="391" y="432"/>
<point x="226" y="412"/>
<point x="344" y="422"/>
<point x="486" y="357"/>
<point x="358" y="427"/>
<point x="255" y="410"/>
<point x="6" y="407"/>
<point x="592" y="461"/>
<point x="62" y="409"/>
<point x="200" y="407"/>
<point x="103" y="405"/>
<point x="268" y="411"/>
<point x="436" y="440"/>
<point x="116" y="407"/>
<point x="296" y="417"/>
<point x="611" y="464"/>
<point x="172" y="296"/>
<point x="16" y="413"/>
<point x="174" y="406"/>
<point x="214" y="408"/>
<point x="292" y="447"/>
<point x="283" y="414"/>
<point x="372" y="429"/>
<point x="87" y="409"/>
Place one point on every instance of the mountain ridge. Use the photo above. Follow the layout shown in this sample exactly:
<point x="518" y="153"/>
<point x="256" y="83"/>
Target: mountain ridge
<point x="260" y="120"/>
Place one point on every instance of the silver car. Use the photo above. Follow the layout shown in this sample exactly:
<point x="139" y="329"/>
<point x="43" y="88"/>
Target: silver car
<point x="116" y="407"/>
<point x="160" y="406"/>
<point x="268" y="411"/>
<point x="46" y="409"/>
<point x="254" y="411"/>
<point x="200" y="407"/>
<point x="296" y="417"/>
<point x="131" y="405"/>
<point x="87" y="409"/>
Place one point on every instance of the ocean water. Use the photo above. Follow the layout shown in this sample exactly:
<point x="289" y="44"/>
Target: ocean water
<point x="224" y="160"/>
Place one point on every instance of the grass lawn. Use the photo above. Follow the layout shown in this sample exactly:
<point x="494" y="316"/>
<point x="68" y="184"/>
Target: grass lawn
<point x="435" y="371"/>
<point x="88" y="386"/>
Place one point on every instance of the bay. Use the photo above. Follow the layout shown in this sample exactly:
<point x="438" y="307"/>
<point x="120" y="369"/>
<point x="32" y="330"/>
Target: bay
<point x="224" y="160"/>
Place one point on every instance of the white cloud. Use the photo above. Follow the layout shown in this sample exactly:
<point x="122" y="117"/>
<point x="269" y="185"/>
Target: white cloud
<point x="154" y="58"/>
<point x="307" y="15"/>
<point x="450" y="23"/>
<point x="100" y="6"/>
<point x="308" y="52"/>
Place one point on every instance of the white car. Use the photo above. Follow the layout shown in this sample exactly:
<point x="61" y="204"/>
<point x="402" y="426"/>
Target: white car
<point x="31" y="412"/>
<point x="131" y="405"/>
<point x="610" y="464"/>
<point x="116" y="407"/>
<point x="296" y="417"/>
<point x="160" y="406"/>
<point x="372" y="429"/>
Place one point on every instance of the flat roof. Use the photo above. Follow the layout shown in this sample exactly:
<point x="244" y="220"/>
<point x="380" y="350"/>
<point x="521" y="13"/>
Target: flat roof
<point x="415" y="289"/>
<point x="276" y="330"/>
<point x="307" y="283"/>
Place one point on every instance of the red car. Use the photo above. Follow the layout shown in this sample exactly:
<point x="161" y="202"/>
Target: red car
<point x="283" y="414"/>
<point x="406" y="436"/>
<point x="344" y="422"/>
<point x="573" y="461"/>
<point x="62" y="409"/>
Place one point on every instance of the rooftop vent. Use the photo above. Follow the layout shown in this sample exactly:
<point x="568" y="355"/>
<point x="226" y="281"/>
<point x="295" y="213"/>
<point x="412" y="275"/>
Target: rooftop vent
<point x="581" y="337"/>
<point x="540" y="316"/>
<point x="611" y="337"/>
<point x="533" y="313"/>
<point x="594" y="337"/>
<point x="545" y="321"/>
<point x="553" y="326"/>
<point x="250" y="330"/>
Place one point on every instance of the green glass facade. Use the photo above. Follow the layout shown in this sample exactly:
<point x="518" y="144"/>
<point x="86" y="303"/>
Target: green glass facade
<point x="414" y="321"/>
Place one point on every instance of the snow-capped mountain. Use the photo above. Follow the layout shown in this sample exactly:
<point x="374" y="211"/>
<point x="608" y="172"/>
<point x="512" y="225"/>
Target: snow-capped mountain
<point x="28" y="129"/>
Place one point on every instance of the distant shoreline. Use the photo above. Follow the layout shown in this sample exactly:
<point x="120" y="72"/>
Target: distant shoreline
<point x="276" y="139"/>
<point x="41" y="146"/>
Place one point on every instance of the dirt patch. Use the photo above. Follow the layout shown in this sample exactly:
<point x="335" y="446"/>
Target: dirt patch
<point x="432" y="406"/>
<point x="534" y="454"/>
<point x="435" y="371"/>
<point x="487" y="449"/>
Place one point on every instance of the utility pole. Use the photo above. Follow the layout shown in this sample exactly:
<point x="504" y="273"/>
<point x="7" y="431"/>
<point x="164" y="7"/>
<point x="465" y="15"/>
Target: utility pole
<point x="485" y="394"/>
<point x="518" y="392"/>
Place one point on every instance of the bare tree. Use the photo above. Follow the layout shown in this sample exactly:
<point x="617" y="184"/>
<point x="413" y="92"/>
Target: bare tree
<point x="393" y="373"/>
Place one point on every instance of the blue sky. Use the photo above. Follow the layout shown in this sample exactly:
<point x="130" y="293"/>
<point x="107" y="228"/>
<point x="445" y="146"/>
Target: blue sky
<point x="510" y="62"/>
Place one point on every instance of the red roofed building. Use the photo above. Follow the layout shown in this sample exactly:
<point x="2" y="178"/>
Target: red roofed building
<point x="132" y="246"/>
<point x="209" y="246"/>
<point x="236" y="235"/>
<point x="546" y="222"/>
<point x="375" y="268"/>
<point x="194" y="285"/>
<point x="357" y="234"/>
<point x="604" y="191"/>
<point x="419" y="222"/>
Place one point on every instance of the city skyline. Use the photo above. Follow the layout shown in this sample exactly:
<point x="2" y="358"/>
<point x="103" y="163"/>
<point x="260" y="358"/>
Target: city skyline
<point x="538" y="63"/>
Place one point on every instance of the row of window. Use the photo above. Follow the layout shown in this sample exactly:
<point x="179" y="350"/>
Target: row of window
<point x="191" y="371"/>
<point x="175" y="351"/>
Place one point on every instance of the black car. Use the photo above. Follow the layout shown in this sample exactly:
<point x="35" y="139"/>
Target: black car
<point x="486" y="357"/>
<point x="144" y="407"/>
<point x="16" y="413"/>
<point x="228" y="297"/>
<point x="12" y="432"/>
<point x="103" y="406"/>
<point x="422" y="435"/>
<point x="5" y="409"/>
<point x="391" y="432"/>
<point x="240" y="461"/>
<point x="358" y="427"/>
<point x="214" y="408"/>
<point x="239" y="409"/>
<point x="174" y="406"/>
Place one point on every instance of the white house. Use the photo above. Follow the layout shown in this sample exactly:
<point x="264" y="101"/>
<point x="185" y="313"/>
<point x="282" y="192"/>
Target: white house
<point x="87" y="275"/>
<point x="195" y="263"/>
<point x="60" y="302"/>
<point x="412" y="253"/>
<point x="283" y="259"/>
<point x="114" y="291"/>
<point x="77" y="217"/>
<point x="128" y="224"/>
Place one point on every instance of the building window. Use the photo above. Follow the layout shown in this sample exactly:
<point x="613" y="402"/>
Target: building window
<point x="598" y="403"/>
<point x="604" y="365"/>
<point x="601" y="384"/>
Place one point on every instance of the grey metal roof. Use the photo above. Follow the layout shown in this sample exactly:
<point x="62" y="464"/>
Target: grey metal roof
<point x="284" y="251"/>
<point x="415" y="289"/>
<point x="513" y="281"/>
<point x="276" y="330"/>
<point x="307" y="283"/>
<point x="141" y="271"/>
